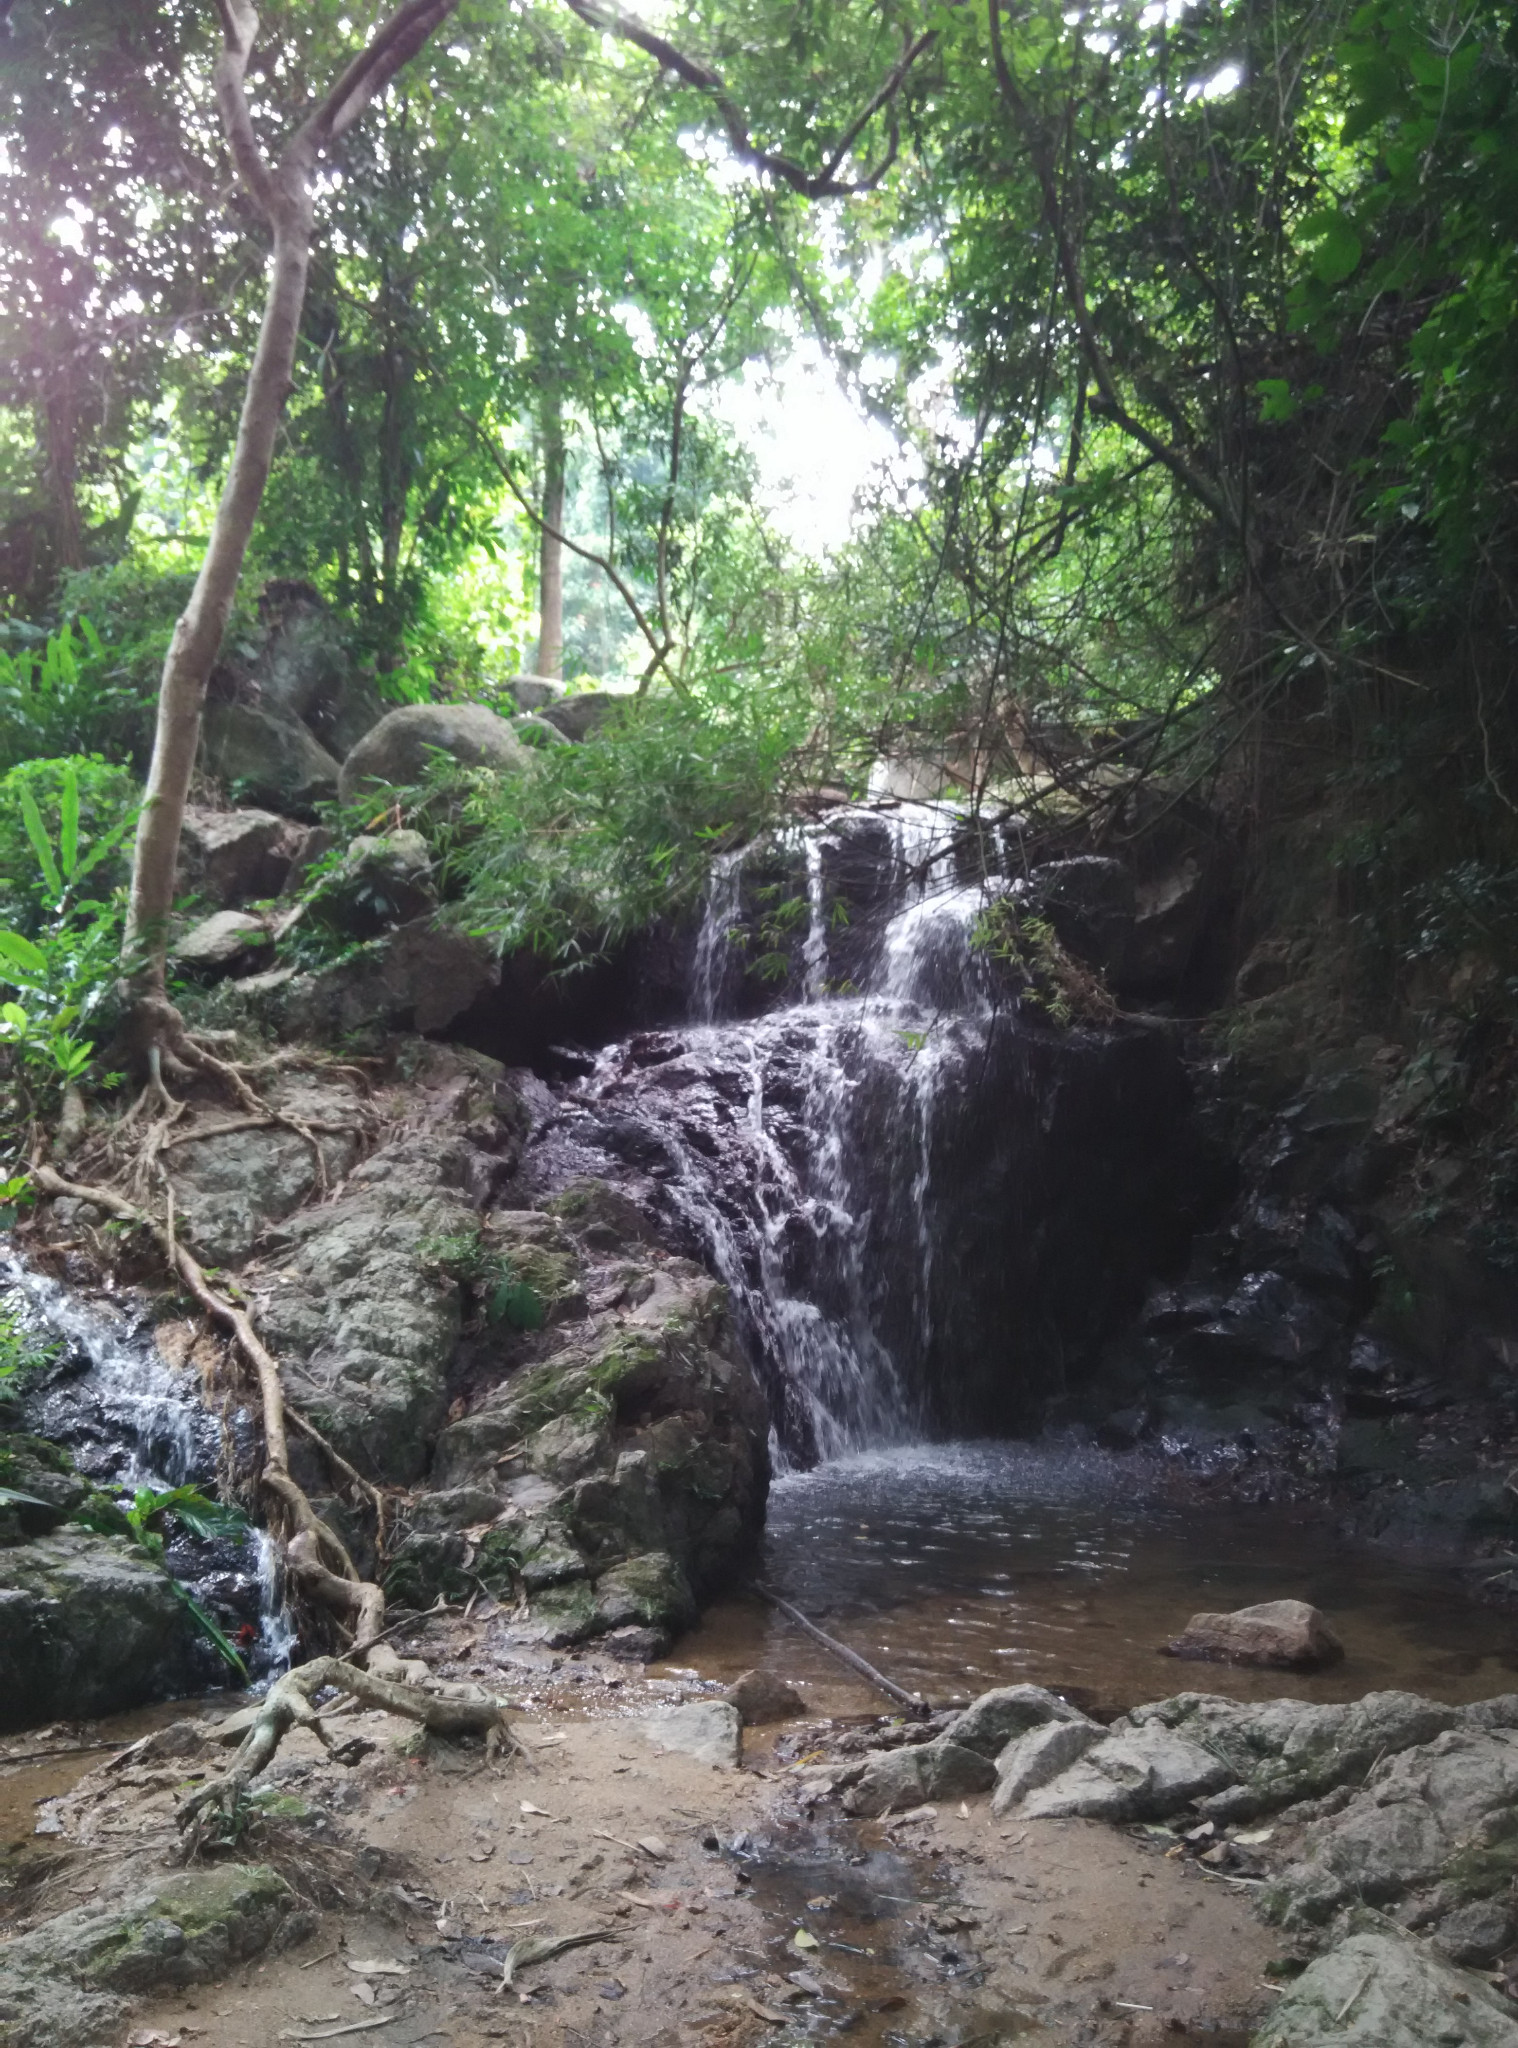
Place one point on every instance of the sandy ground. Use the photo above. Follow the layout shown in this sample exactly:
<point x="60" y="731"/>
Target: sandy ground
<point x="731" y="1914"/>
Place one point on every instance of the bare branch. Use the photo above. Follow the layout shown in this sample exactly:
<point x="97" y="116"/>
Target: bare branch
<point x="394" y="43"/>
<point x="660" y="649"/>
<point x="824" y="184"/>
<point x="239" y="31"/>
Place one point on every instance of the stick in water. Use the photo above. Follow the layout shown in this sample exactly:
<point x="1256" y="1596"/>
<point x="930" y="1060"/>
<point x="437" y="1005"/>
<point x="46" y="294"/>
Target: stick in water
<point x="916" y="1707"/>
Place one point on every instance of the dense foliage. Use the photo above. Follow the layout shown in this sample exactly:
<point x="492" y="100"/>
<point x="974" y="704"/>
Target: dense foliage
<point x="1192" y="322"/>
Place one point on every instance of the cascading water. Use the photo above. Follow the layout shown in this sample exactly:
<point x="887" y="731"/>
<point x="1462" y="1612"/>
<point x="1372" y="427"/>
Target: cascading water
<point x="921" y="1196"/>
<point x="129" y="1420"/>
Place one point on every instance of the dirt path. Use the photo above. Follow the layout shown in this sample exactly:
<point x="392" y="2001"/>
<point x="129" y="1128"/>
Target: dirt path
<point x="732" y="1915"/>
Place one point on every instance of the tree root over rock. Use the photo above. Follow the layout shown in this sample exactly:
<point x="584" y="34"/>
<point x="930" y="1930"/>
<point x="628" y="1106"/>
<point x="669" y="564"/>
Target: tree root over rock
<point x="288" y="1704"/>
<point x="317" y="1559"/>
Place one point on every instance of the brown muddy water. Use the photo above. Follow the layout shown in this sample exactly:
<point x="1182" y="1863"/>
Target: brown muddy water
<point x="958" y="1567"/>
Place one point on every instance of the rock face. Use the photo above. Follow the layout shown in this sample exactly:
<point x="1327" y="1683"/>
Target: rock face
<point x="1380" y="1989"/>
<point x="403" y="746"/>
<point x="382" y="881"/>
<point x="87" y="1627"/>
<point x="267" y="759"/>
<point x="624" y="1473"/>
<point x="1285" y="1635"/>
<point x="67" y="1984"/>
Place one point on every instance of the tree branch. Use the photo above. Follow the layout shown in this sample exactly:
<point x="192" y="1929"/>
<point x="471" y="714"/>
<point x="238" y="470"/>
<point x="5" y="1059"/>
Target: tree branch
<point x="393" y="44"/>
<point x="824" y="184"/>
<point x="239" y="32"/>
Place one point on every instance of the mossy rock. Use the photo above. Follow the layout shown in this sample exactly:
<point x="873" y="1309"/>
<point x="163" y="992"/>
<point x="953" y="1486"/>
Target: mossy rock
<point x="601" y="1215"/>
<point x="651" y="1590"/>
<point x="65" y="1985"/>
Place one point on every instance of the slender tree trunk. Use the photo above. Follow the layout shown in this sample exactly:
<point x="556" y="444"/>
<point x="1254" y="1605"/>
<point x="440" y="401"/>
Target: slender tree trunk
<point x="198" y="634"/>
<point x="550" y="655"/>
<point x="282" y="192"/>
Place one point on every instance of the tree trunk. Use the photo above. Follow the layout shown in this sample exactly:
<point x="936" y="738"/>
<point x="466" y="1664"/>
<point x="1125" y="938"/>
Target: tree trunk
<point x="550" y="656"/>
<point x="198" y="634"/>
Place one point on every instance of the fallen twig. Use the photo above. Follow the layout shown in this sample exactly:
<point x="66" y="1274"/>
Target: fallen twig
<point x="918" y="1708"/>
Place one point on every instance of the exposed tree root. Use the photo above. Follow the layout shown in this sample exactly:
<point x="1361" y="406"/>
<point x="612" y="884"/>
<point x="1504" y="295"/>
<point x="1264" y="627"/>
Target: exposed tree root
<point x="322" y="1548"/>
<point x="288" y="1705"/>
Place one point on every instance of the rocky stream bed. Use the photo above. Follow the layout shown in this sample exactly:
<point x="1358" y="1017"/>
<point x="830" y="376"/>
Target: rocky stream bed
<point x="560" y="1281"/>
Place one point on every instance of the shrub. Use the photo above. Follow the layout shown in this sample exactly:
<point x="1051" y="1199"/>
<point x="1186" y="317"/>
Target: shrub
<point x="107" y="795"/>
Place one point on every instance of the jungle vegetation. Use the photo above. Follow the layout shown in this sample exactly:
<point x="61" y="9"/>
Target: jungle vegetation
<point x="1190" y="322"/>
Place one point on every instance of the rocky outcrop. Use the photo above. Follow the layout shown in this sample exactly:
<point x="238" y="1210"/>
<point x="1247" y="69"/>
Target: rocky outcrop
<point x="68" y="1984"/>
<point x="581" y="715"/>
<point x="619" y="1478"/>
<point x="402" y="748"/>
<point x="234" y="857"/>
<point x="87" y="1626"/>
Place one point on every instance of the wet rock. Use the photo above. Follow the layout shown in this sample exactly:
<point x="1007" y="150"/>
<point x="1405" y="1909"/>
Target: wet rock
<point x="267" y="759"/>
<point x="1382" y="1989"/>
<point x="1139" y="1772"/>
<point x="989" y="1723"/>
<point x="582" y="715"/>
<point x="382" y="880"/>
<point x="42" y="1477"/>
<point x="401" y="749"/>
<point x="1435" y="1821"/>
<point x="1170" y="915"/>
<point x="761" y="1696"/>
<point x="87" y="1626"/>
<point x="1091" y="904"/>
<point x="1038" y="1756"/>
<point x="1285" y="1635"/>
<point x="600" y="1215"/>
<point x="708" y="1730"/>
<point x="67" y="1983"/>
<point x="902" y="1778"/>
<point x="649" y="1591"/>
<point x="636" y="1645"/>
<point x="233" y="857"/>
<point x="1285" y="1750"/>
<point x="220" y="941"/>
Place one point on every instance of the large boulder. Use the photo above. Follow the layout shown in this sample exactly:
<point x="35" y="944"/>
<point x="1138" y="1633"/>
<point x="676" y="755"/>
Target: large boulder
<point x="1383" y="1989"/>
<point x="383" y="880"/>
<point x="399" y="751"/>
<point x="67" y="1984"/>
<point x="532" y="693"/>
<point x="265" y="758"/>
<point x="1034" y="1758"/>
<point x="219" y="942"/>
<point x="419" y="977"/>
<point x="304" y="669"/>
<point x="1090" y="902"/>
<point x="1284" y="1635"/>
<point x="231" y="1185"/>
<point x="625" y="1471"/>
<point x="581" y="716"/>
<point x="1133" y="1773"/>
<point x="234" y="857"/>
<point x="88" y="1626"/>
<point x="989" y="1723"/>
<point x="898" y="1779"/>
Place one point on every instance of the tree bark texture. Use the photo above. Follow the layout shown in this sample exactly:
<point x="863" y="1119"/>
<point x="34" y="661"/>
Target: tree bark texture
<point x="550" y="655"/>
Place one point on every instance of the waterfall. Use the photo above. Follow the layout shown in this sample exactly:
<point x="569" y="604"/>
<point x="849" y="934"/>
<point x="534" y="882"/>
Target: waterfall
<point x="130" y="1420"/>
<point x="802" y="1145"/>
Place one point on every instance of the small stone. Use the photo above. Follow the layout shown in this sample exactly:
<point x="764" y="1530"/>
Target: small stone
<point x="760" y="1696"/>
<point x="989" y="1723"/>
<point x="221" y="939"/>
<point x="1285" y="1635"/>
<point x="708" y="1730"/>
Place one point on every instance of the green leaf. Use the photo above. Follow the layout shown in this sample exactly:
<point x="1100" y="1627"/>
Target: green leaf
<point x="9" y="1494"/>
<point x="20" y="953"/>
<point x="36" y="832"/>
<point x="1337" y="247"/>
<point x="68" y="821"/>
<point x="209" y="1627"/>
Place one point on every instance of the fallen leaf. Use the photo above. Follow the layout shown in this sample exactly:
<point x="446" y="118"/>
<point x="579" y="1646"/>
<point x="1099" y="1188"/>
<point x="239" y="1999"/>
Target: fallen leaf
<point x="654" y="1846"/>
<point x="539" y="1812"/>
<point x="380" y="1967"/>
<point x="149" y="2037"/>
<point x="363" y="1992"/>
<point x="1255" y="1835"/>
<point x="801" y="1939"/>
<point x="763" y="2012"/>
<point x="656" y="1902"/>
<point x="521" y="1954"/>
<point x="332" y="2033"/>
